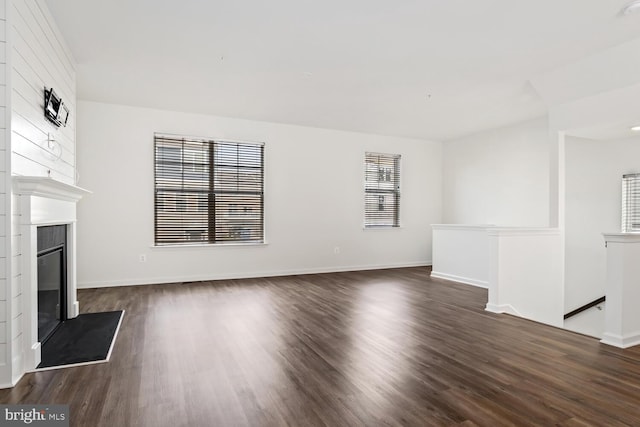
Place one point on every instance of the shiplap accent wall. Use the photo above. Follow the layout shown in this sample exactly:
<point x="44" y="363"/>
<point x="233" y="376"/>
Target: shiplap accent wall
<point x="5" y="194"/>
<point x="35" y="57"/>
<point x="40" y="59"/>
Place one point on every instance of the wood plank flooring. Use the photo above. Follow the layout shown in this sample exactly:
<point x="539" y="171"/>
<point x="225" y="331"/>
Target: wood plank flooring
<point x="375" y="348"/>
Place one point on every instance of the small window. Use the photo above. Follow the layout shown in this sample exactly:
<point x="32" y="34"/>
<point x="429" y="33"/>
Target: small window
<point x="631" y="203"/>
<point x="208" y="191"/>
<point x="382" y="190"/>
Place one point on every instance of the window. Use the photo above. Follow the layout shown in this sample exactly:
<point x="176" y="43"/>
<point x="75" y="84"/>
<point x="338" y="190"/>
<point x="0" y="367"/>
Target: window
<point x="208" y="191"/>
<point x="631" y="202"/>
<point x="381" y="190"/>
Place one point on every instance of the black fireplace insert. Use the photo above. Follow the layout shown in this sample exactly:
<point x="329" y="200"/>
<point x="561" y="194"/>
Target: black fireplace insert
<point x="52" y="279"/>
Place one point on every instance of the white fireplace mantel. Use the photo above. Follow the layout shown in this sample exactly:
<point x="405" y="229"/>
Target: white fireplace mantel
<point x="42" y="201"/>
<point x="47" y="187"/>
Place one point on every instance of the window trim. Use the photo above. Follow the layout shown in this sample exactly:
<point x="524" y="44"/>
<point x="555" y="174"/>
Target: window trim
<point x="205" y="243"/>
<point x="397" y="192"/>
<point x="629" y="208"/>
<point x="197" y="245"/>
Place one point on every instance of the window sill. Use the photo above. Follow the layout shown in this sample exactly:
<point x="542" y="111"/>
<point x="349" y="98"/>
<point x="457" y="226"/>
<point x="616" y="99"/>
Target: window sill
<point x="205" y="245"/>
<point x="382" y="228"/>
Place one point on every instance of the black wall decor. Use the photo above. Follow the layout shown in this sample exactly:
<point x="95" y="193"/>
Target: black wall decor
<point x="54" y="109"/>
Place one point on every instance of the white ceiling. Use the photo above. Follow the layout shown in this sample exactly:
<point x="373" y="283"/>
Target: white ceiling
<point x="432" y="69"/>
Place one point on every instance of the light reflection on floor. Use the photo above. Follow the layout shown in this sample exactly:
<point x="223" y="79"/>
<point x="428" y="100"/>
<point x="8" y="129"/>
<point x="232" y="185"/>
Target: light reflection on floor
<point x="381" y="325"/>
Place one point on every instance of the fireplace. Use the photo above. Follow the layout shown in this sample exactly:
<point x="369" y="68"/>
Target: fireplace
<point x="52" y="279"/>
<point x="46" y="277"/>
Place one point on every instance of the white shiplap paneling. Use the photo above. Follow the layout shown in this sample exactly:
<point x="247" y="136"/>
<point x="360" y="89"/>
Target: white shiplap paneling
<point x="39" y="60"/>
<point x="33" y="57"/>
<point x="5" y="194"/>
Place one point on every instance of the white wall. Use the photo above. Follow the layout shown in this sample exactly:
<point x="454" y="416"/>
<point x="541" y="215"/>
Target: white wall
<point x="594" y="172"/>
<point x="498" y="177"/>
<point x="36" y="56"/>
<point x="314" y="200"/>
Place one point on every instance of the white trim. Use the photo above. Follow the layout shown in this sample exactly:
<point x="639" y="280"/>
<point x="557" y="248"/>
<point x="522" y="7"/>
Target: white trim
<point x="11" y="384"/>
<point x="460" y="279"/>
<point x="626" y="341"/>
<point x="47" y="187"/>
<point x="377" y="153"/>
<point x="42" y="201"/>
<point x="209" y="245"/>
<point x="397" y="192"/>
<point x="502" y="308"/>
<point x="73" y="365"/>
<point x="522" y="231"/>
<point x="381" y="227"/>
<point x="479" y="227"/>
<point x="622" y="237"/>
<point x="192" y="138"/>
<point x="74" y="310"/>
<point x="93" y="362"/>
<point x="17" y="364"/>
<point x="115" y="336"/>
<point x="276" y="273"/>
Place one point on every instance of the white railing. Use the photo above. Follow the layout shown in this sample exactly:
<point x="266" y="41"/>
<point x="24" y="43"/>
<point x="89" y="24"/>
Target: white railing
<point x="622" y="318"/>
<point x="526" y="273"/>
<point x="521" y="267"/>
<point x="461" y="253"/>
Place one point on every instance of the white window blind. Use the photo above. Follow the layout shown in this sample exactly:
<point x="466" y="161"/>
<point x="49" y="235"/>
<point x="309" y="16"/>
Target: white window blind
<point x="208" y="191"/>
<point x="631" y="202"/>
<point x="382" y="190"/>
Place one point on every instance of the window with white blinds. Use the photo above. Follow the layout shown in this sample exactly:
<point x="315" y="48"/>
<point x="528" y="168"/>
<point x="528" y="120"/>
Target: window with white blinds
<point x="382" y="190"/>
<point x="208" y="191"/>
<point x="631" y="202"/>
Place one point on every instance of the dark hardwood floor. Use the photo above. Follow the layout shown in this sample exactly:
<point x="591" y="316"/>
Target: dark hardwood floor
<point x="376" y="348"/>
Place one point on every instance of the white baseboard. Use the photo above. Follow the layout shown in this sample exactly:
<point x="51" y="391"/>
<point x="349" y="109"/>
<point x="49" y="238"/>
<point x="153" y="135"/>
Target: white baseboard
<point x="16" y="375"/>
<point x="502" y="308"/>
<point x="619" y="341"/>
<point x="509" y="309"/>
<point x="13" y="383"/>
<point x="6" y="372"/>
<point x="240" y="275"/>
<point x="460" y="279"/>
<point x="17" y="378"/>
